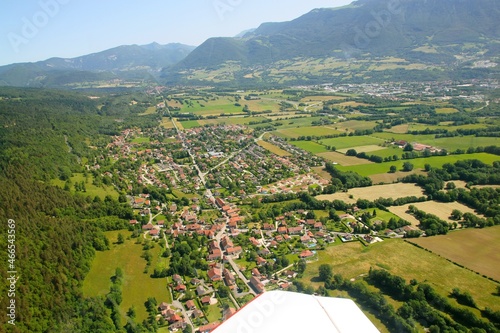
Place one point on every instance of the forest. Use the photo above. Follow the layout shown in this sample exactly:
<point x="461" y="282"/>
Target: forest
<point x="57" y="233"/>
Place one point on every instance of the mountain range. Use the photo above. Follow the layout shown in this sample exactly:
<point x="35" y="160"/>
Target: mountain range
<point x="122" y="62"/>
<point x="366" y="40"/>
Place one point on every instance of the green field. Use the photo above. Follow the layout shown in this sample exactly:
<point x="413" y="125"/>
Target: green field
<point x="296" y="123"/>
<point x="222" y="105"/>
<point x="91" y="190"/>
<point x="356" y="125"/>
<point x="190" y="124"/>
<point x="351" y="141"/>
<point x="310" y="146"/>
<point x="137" y="286"/>
<point x="140" y="140"/>
<point x="231" y="120"/>
<point x="353" y="260"/>
<point x="449" y="144"/>
<point x="307" y="131"/>
<point x="418" y="163"/>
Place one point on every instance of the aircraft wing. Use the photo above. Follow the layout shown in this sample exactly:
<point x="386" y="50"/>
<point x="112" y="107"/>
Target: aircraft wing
<point x="281" y="311"/>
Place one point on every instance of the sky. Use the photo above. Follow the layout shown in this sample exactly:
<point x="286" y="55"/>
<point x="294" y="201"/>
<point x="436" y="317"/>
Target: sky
<point x="34" y="30"/>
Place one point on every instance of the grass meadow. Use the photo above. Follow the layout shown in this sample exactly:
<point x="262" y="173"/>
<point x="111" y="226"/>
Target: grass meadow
<point x="351" y="141"/>
<point x="475" y="249"/>
<point x="91" y="190"/>
<point x="137" y="285"/>
<point x="353" y="260"/>
<point x="307" y="131"/>
<point x="310" y="146"/>
<point x="418" y="163"/>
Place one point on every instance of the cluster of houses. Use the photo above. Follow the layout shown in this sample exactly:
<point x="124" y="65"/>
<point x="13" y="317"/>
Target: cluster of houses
<point x="419" y="147"/>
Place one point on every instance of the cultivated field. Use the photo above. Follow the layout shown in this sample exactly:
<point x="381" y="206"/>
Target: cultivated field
<point x="372" y="193"/>
<point x="343" y="196"/>
<point x="394" y="191"/>
<point x="353" y="260"/>
<point x="476" y="249"/>
<point x="440" y="209"/>
<point x="273" y="149"/>
<point x="344" y="160"/>
<point x="388" y="178"/>
<point x="167" y="123"/>
<point x="401" y="212"/>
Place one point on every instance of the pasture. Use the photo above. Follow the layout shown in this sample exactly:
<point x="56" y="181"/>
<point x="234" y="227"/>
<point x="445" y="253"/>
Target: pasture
<point x="137" y="286"/>
<point x="476" y="249"/>
<point x="353" y="260"/>
<point x="190" y="124"/>
<point x="449" y="144"/>
<point x="310" y="146"/>
<point x="418" y="163"/>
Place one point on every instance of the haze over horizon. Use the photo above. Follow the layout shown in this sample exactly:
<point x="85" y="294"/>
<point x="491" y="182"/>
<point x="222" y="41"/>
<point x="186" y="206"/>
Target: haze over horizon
<point x="37" y="30"/>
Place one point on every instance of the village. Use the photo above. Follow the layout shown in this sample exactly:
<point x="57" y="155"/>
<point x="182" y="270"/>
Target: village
<point x="206" y="186"/>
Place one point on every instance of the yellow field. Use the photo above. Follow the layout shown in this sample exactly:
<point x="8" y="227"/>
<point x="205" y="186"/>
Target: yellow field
<point x="388" y="178"/>
<point x="167" y="123"/>
<point x="179" y="124"/>
<point x="322" y="172"/>
<point x="362" y="149"/>
<point x="353" y="260"/>
<point x="174" y="104"/>
<point x="440" y="209"/>
<point x="394" y="191"/>
<point x="342" y="159"/>
<point x="273" y="149"/>
<point x="476" y="249"/>
<point x="400" y="129"/>
<point x="343" y="196"/>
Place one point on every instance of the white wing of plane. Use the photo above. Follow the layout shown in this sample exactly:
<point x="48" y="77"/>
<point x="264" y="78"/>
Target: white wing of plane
<point x="280" y="311"/>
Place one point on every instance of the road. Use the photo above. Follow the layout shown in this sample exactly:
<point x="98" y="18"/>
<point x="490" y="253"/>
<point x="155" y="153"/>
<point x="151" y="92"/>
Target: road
<point x="178" y="304"/>
<point x="240" y="274"/>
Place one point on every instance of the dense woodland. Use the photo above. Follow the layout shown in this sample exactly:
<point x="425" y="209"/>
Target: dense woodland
<point x="57" y="233"/>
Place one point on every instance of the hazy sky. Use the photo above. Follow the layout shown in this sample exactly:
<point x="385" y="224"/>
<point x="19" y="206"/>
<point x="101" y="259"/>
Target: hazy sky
<point x="33" y="30"/>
